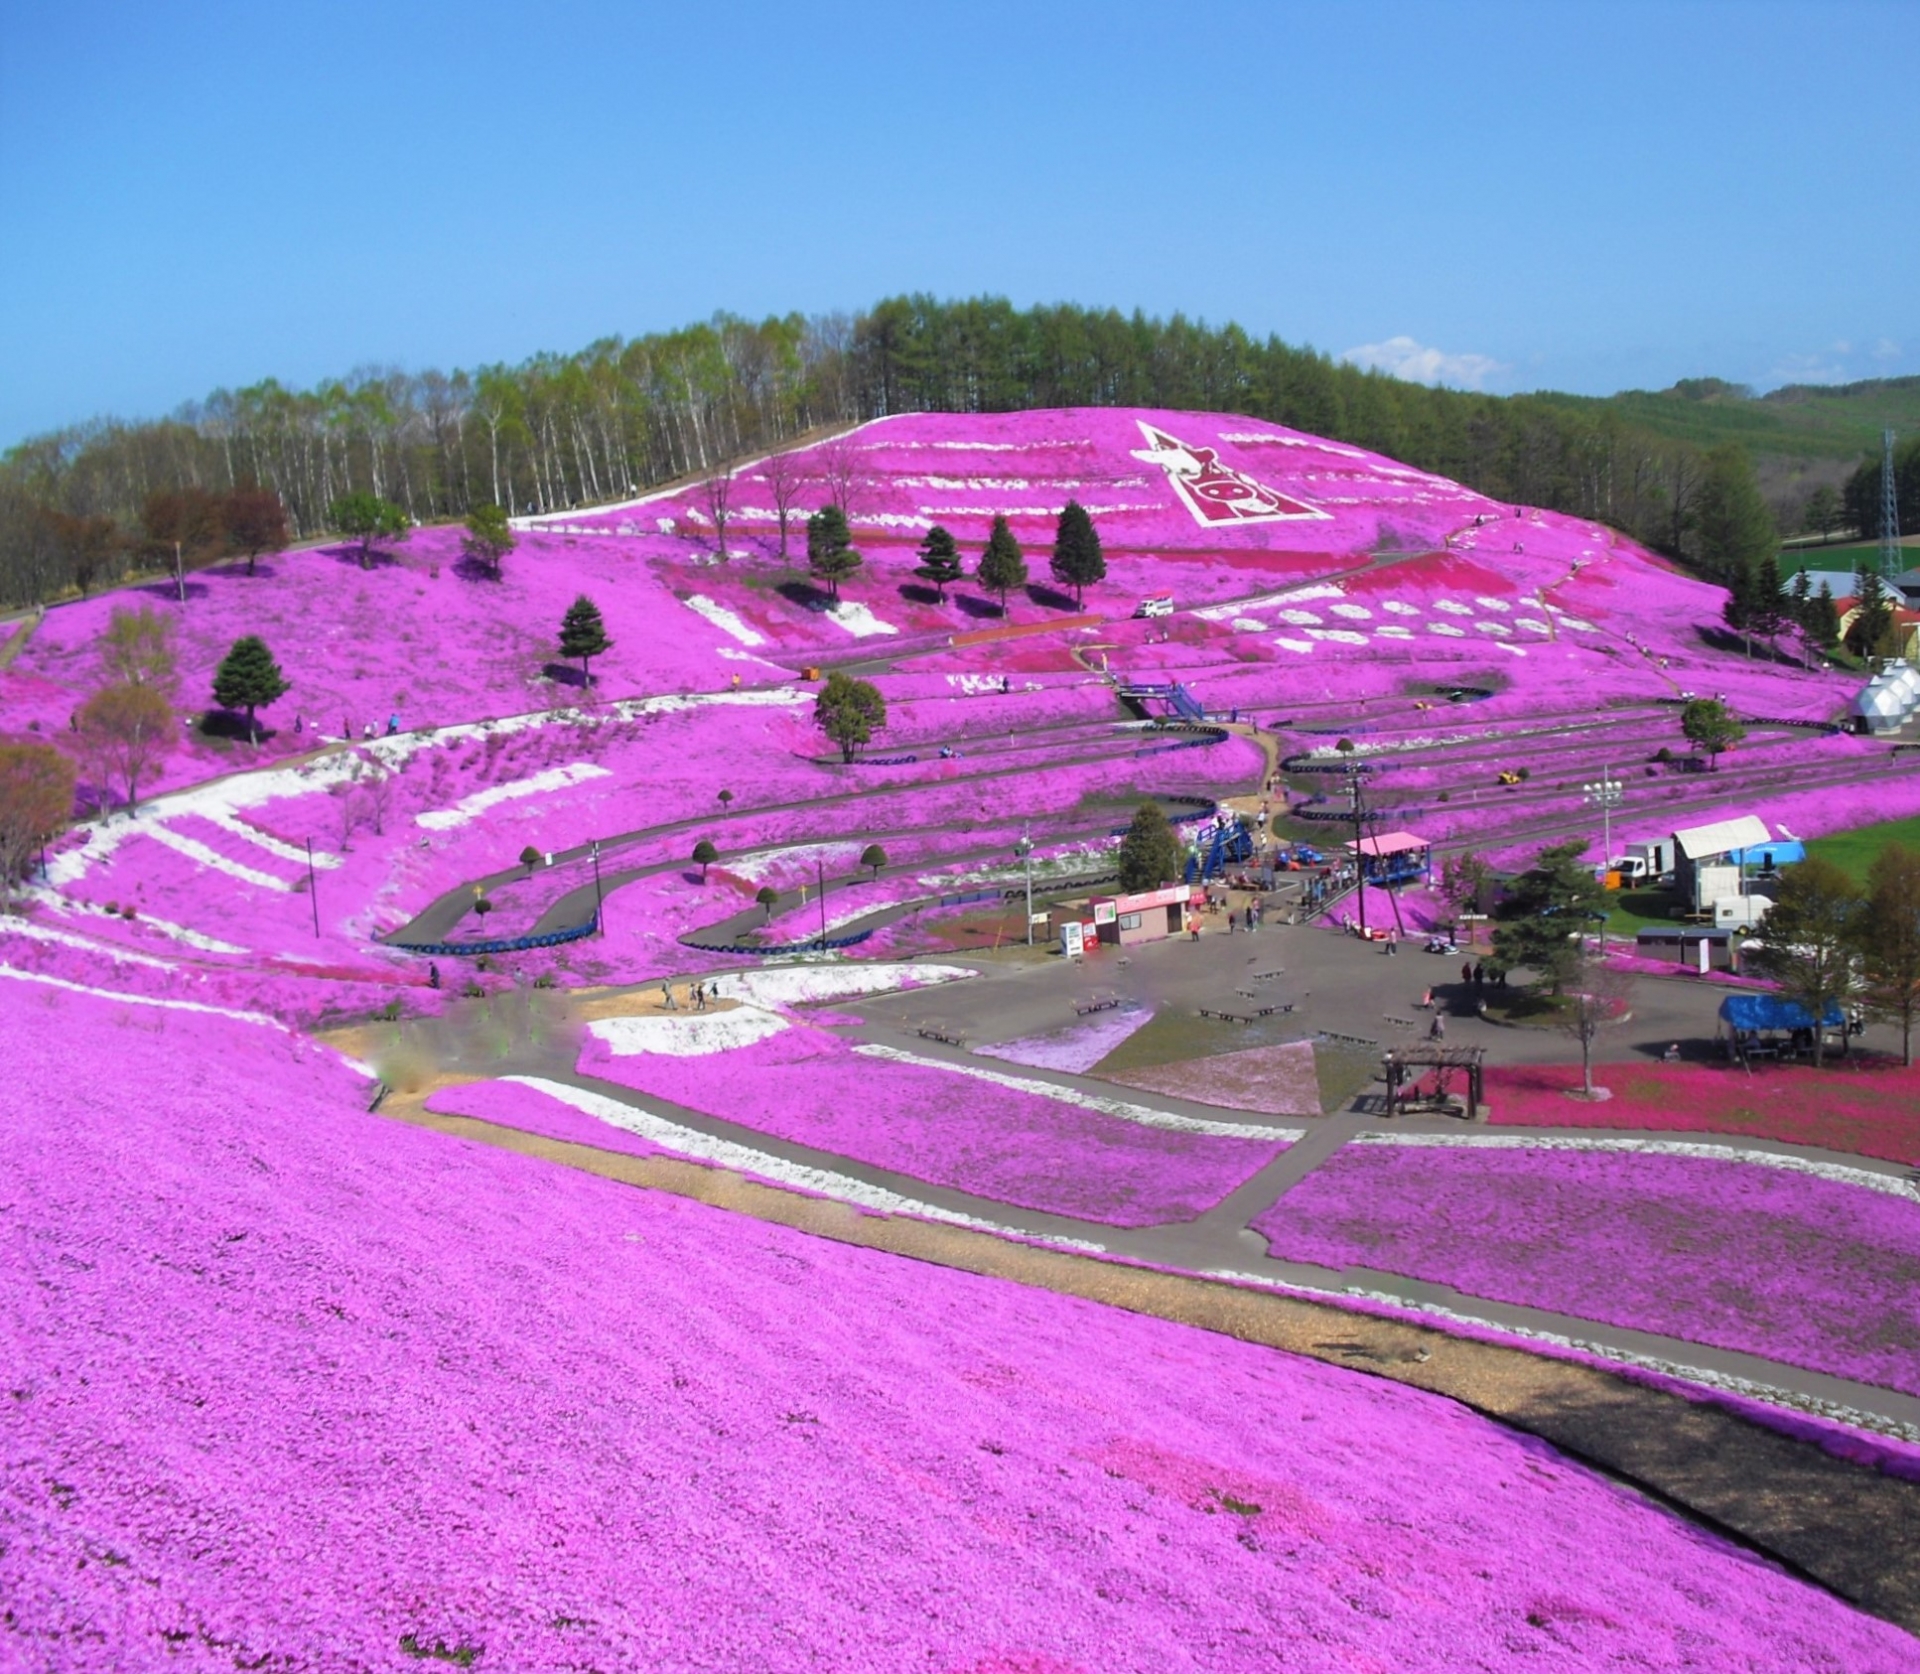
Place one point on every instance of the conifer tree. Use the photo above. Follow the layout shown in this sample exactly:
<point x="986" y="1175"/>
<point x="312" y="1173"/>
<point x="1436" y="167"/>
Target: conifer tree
<point x="247" y="678"/>
<point x="1150" y="852"/>
<point x="1003" y="566"/>
<point x="1873" y="619"/>
<point x="830" y="553"/>
<point x="583" y="634"/>
<point x="939" y="561"/>
<point x="1077" y="559"/>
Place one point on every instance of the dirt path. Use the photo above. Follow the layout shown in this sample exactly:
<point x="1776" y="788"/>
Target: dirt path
<point x="1845" y="1527"/>
<point x="19" y="638"/>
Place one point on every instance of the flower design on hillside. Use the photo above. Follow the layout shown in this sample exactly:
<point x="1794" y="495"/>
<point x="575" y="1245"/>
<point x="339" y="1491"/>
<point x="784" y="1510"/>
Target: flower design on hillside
<point x="1213" y="492"/>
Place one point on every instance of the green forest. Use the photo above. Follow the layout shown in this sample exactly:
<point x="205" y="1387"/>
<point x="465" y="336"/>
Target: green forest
<point x="83" y="507"/>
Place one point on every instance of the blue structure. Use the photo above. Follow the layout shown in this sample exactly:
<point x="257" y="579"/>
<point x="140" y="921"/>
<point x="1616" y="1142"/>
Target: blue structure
<point x="1753" y="1013"/>
<point x="1179" y="701"/>
<point x="1229" y="843"/>
<point x="1769" y="857"/>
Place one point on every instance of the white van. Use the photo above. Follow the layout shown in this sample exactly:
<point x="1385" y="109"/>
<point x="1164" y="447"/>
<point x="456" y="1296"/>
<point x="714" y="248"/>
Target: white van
<point x="1161" y="604"/>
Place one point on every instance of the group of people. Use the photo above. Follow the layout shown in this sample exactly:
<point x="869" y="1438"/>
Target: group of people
<point x="698" y="995"/>
<point x="1478" y="976"/>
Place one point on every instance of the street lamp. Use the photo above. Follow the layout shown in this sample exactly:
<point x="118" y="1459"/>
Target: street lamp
<point x="1604" y="794"/>
<point x="1024" y="850"/>
<point x="599" y="916"/>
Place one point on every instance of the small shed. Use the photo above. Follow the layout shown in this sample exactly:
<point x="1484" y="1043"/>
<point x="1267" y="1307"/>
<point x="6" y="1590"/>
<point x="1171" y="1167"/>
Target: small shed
<point x="1393" y="857"/>
<point x="1683" y="944"/>
<point x="1151" y="915"/>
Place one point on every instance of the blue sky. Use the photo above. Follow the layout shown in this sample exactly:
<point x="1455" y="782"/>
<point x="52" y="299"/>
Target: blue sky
<point x="1554" y="194"/>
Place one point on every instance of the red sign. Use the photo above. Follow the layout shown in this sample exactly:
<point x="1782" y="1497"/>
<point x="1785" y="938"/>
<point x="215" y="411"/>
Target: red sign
<point x="1213" y="492"/>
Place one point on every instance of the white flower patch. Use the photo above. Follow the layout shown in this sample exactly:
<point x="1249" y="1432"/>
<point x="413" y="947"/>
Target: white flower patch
<point x="696" y="1034"/>
<point x="1353" y="612"/>
<point x="1486" y="603"/>
<point x="1144" y="1115"/>
<point x="1313" y="590"/>
<point x="1532" y="624"/>
<point x="1448" y="629"/>
<point x="1577" y="625"/>
<point x="149" y="1000"/>
<point x="1247" y="625"/>
<point x="724" y="1153"/>
<point x="65" y="938"/>
<point x="165" y="927"/>
<point x="804" y="985"/>
<point x="1394" y="633"/>
<point x="1497" y="628"/>
<point x="1302" y="645"/>
<point x="1399" y="607"/>
<point x="976" y="485"/>
<point x="201" y="855"/>
<point x="725" y="620"/>
<point x="899" y="520"/>
<point x="1503" y="645"/>
<point x="1453" y="607"/>
<point x="1300" y="618"/>
<point x="1340" y="636"/>
<point x="858" y="620"/>
<point x="1868" y="1179"/>
<point x="759" y="865"/>
<point x="469" y="808"/>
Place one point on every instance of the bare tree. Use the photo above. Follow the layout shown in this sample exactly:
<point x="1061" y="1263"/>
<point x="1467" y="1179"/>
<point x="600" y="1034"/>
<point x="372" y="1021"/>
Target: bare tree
<point x="379" y="796"/>
<point x="784" y="483"/>
<point x="1595" y="999"/>
<point x="839" y="471"/>
<point x="717" y="492"/>
<point x="125" y="731"/>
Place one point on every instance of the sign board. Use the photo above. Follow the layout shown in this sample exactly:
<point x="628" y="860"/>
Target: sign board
<point x="1039" y="918"/>
<point x="1103" y="912"/>
<point x="1073" y="939"/>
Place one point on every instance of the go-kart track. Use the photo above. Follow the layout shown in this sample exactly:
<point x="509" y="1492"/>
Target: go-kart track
<point x="338" y="1066"/>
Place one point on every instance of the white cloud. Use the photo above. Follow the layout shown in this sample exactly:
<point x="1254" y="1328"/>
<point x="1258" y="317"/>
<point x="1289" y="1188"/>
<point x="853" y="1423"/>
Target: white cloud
<point x="1402" y="357"/>
<point x="1841" y="362"/>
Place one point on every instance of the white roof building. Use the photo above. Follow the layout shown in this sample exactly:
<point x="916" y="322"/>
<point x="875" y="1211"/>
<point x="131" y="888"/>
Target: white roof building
<point x="1703" y="842"/>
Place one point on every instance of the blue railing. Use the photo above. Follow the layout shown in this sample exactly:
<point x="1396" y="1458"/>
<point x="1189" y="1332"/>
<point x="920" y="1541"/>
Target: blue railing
<point x="500" y="944"/>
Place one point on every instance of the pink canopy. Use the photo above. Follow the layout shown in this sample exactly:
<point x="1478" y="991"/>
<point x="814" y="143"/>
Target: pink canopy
<point x="1392" y="842"/>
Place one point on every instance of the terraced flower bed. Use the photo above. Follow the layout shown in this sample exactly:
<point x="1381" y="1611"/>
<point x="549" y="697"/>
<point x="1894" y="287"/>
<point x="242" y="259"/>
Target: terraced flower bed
<point x="1010" y="1141"/>
<point x="1766" y="1260"/>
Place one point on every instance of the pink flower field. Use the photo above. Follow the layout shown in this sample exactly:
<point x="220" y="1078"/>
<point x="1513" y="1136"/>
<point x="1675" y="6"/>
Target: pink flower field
<point x="293" y="1387"/>
<point x="1763" y="1260"/>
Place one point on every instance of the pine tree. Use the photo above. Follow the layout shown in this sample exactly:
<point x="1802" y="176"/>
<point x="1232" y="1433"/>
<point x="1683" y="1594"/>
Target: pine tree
<point x="704" y="855"/>
<point x="939" y="561"/>
<point x="1767" y="608"/>
<point x="583" y="634"/>
<point x="1732" y="527"/>
<point x="1737" y="612"/>
<point x="1547" y="910"/>
<point x="1077" y="559"/>
<point x="247" y="678"/>
<point x="1823" y="619"/>
<point x="1873" y="618"/>
<point x="830" y="553"/>
<point x="1150" y="853"/>
<point x="1003" y="566"/>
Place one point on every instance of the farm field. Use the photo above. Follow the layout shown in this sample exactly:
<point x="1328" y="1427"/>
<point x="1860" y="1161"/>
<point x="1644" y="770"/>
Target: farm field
<point x="283" y="1350"/>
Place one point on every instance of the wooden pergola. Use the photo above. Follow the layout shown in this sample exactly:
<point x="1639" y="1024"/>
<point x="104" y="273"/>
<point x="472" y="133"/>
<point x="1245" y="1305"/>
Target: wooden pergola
<point x="1404" y="1066"/>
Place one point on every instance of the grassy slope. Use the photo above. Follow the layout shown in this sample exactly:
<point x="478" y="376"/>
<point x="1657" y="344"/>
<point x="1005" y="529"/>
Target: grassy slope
<point x="1854" y="851"/>
<point x="1800" y="421"/>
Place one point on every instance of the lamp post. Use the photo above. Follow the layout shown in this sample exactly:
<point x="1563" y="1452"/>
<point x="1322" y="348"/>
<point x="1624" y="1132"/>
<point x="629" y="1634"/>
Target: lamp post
<point x="1604" y="794"/>
<point x="1359" y="854"/>
<point x="1024" y="850"/>
<point x="599" y="901"/>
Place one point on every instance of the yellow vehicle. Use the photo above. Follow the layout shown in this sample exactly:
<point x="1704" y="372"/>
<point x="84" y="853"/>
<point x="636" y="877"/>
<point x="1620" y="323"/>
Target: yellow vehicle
<point x="1509" y="778"/>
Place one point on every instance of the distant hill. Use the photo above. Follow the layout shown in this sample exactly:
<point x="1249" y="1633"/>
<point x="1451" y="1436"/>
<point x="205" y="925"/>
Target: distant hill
<point x="1838" y="422"/>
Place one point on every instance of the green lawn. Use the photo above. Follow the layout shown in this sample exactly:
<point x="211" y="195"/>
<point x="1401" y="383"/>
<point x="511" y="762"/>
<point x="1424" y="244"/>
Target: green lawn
<point x="1853" y="851"/>
<point x="1630" y="911"/>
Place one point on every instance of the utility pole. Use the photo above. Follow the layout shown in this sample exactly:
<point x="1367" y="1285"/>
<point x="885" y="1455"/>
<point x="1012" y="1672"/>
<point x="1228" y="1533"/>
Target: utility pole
<point x="1024" y="849"/>
<point x="313" y="888"/>
<point x="1890" y="565"/>
<point x="820" y="877"/>
<point x="599" y="901"/>
<point x="1359" y="857"/>
<point x="1606" y="796"/>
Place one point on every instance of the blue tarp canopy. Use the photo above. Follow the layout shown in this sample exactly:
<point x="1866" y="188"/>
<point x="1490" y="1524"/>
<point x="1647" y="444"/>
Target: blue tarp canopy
<point x="1754" y="1012"/>
<point x="1786" y="852"/>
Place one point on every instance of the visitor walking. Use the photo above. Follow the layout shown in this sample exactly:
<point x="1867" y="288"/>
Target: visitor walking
<point x="1466" y="973"/>
<point x="1437" y="1030"/>
<point x="1393" y="943"/>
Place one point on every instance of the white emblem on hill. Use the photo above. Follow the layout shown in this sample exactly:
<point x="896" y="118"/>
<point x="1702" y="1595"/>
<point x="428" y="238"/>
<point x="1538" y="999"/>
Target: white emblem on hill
<point x="1216" y="494"/>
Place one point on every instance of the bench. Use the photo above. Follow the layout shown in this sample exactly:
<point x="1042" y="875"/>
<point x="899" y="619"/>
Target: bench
<point x="933" y="1031"/>
<point x="1105" y="1002"/>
